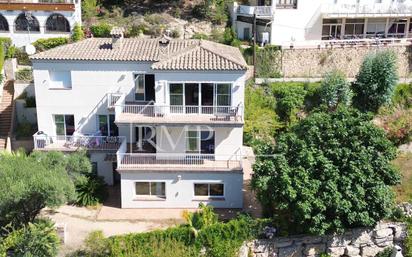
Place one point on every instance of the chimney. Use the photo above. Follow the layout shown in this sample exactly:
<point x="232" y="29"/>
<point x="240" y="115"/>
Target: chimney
<point x="117" y="34"/>
<point x="164" y="42"/>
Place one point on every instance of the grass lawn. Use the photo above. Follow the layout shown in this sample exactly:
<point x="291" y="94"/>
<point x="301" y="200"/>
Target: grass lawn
<point x="404" y="190"/>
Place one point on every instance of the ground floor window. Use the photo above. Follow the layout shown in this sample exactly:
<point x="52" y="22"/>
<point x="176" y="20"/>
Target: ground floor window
<point x="157" y="189"/>
<point x="64" y="124"/>
<point x="209" y="189"/>
<point x="331" y="29"/>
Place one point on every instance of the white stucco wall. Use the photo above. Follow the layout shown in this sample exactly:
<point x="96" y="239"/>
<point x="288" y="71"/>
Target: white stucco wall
<point x="180" y="193"/>
<point x="303" y="26"/>
<point x="104" y="168"/>
<point x="20" y="38"/>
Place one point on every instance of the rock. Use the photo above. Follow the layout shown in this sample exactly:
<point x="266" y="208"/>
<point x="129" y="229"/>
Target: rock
<point x="244" y="251"/>
<point x="382" y="233"/>
<point x="283" y="242"/>
<point x="314" y="249"/>
<point x="382" y="242"/>
<point x="399" y="231"/>
<point x="370" y="251"/>
<point x="340" y="240"/>
<point x="336" y="251"/>
<point x="292" y="251"/>
<point x="361" y="237"/>
<point x="351" y="250"/>
<point x="261" y="246"/>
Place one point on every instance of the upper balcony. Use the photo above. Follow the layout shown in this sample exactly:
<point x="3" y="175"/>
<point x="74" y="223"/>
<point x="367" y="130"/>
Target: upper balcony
<point x="38" y="5"/>
<point x="393" y="9"/>
<point x="156" y="114"/>
<point x="262" y="12"/>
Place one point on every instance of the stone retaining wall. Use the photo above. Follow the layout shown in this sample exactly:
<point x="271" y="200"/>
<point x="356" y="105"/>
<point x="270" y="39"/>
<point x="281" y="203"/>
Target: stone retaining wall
<point x="304" y="63"/>
<point x="354" y="243"/>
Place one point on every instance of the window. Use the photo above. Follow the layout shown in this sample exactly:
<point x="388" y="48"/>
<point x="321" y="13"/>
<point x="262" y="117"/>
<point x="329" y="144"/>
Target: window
<point x="4" y="25"/>
<point x="376" y="27"/>
<point x="157" y="189"/>
<point x="354" y="28"/>
<point x="64" y="125"/>
<point x="200" y="142"/>
<point x="106" y="125"/>
<point x="57" y="23"/>
<point x="223" y="94"/>
<point x="397" y="28"/>
<point x="26" y="22"/>
<point x="139" y="83"/>
<point x="60" y="80"/>
<point x="331" y="29"/>
<point x="176" y="94"/>
<point x="209" y="189"/>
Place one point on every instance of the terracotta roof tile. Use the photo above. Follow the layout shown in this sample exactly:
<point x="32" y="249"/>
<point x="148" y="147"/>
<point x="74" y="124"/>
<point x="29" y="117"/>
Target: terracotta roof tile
<point x="177" y="55"/>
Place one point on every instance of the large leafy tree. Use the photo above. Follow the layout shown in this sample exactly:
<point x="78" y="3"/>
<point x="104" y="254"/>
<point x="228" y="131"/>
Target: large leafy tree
<point x="27" y="186"/>
<point x="376" y="81"/>
<point x="330" y="172"/>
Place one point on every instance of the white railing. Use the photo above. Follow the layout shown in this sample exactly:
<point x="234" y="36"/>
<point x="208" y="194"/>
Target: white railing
<point x="103" y="143"/>
<point x="119" y="105"/>
<point x="167" y="161"/>
<point x="162" y="110"/>
<point x="112" y="99"/>
<point x="121" y="151"/>
<point x="383" y="8"/>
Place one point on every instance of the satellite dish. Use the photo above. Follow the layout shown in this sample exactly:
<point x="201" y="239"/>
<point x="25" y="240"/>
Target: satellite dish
<point x="30" y="49"/>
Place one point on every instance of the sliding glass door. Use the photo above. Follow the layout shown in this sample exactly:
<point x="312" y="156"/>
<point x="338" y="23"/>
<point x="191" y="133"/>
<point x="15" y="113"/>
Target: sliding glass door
<point x="204" y="98"/>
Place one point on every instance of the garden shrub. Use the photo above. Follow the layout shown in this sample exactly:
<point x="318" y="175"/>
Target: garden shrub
<point x="398" y="125"/>
<point x="407" y="251"/>
<point x="25" y="74"/>
<point x="21" y="56"/>
<point x="91" y="191"/>
<point x="89" y="9"/>
<point x="402" y="96"/>
<point x="101" y="30"/>
<point x="35" y="239"/>
<point x="290" y="99"/>
<point x="49" y="43"/>
<point x="78" y="33"/>
<point x="387" y="252"/>
<point x="198" y="35"/>
<point x="214" y="11"/>
<point x="269" y="62"/>
<point x="7" y="43"/>
<point x="335" y="90"/>
<point x="376" y="81"/>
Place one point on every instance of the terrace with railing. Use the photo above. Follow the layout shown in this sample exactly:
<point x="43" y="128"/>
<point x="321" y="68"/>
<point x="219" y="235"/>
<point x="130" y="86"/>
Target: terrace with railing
<point x="393" y="9"/>
<point x="38" y="5"/>
<point x="152" y="113"/>
<point x="44" y="142"/>
<point x="260" y="11"/>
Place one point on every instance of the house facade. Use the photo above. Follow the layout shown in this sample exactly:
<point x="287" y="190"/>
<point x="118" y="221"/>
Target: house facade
<point x="315" y="22"/>
<point x="161" y="118"/>
<point x="27" y="21"/>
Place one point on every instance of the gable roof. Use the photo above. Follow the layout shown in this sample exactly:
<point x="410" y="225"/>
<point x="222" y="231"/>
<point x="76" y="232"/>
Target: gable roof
<point x="189" y="54"/>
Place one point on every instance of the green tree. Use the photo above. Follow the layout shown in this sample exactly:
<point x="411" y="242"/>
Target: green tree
<point x="330" y="172"/>
<point x="335" y="90"/>
<point x="27" y="186"/>
<point x="376" y="81"/>
<point x="77" y="33"/>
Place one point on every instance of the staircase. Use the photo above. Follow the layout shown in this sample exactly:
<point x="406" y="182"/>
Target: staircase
<point x="6" y="115"/>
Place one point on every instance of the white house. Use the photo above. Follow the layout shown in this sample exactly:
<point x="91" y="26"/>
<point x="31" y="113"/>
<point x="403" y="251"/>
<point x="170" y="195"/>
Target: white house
<point x="312" y="22"/>
<point x="25" y="21"/>
<point x="161" y="117"/>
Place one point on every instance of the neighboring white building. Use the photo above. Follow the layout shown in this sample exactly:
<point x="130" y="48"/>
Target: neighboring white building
<point x="25" y="21"/>
<point x="161" y="117"/>
<point x="312" y="22"/>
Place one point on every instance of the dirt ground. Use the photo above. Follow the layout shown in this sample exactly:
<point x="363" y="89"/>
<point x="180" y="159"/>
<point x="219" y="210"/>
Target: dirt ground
<point x="80" y="221"/>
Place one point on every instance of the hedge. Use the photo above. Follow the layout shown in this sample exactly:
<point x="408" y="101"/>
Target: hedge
<point x="49" y="43"/>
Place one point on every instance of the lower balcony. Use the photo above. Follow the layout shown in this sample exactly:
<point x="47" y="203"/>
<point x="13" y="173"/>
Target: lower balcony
<point x="179" y="114"/>
<point x="178" y="162"/>
<point x="44" y="142"/>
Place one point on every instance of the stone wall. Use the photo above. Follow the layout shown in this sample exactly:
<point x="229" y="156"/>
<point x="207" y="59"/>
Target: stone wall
<point x="303" y="63"/>
<point x="354" y="243"/>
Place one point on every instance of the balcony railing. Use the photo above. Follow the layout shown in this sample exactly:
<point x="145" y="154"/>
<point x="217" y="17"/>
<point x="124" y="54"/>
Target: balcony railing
<point x="178" y="113"/>
<point x="73" y="143"/>
<point x="178" y="161"/>
<point x="394" y="8"/>
<point x="260" y="11"/>
<point x="286" y="4"/>
<point x="112" y="99"/>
